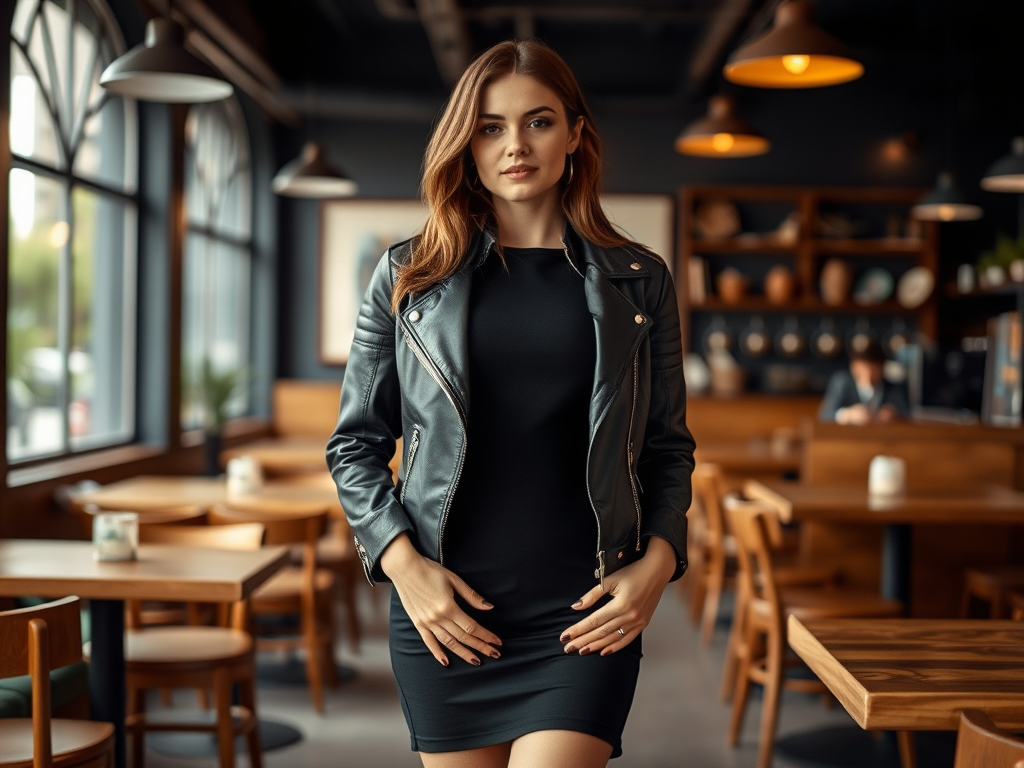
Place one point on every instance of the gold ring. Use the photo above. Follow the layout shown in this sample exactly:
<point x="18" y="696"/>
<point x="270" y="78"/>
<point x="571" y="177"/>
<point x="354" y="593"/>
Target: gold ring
<point x="621" y="632"/>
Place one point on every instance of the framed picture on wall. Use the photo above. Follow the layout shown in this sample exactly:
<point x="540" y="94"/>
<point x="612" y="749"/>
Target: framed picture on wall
<point x="355" y="233"/>
<point x="353" y="236"/>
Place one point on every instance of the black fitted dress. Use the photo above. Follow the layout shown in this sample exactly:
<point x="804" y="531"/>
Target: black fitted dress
<point x="521" y="530"/>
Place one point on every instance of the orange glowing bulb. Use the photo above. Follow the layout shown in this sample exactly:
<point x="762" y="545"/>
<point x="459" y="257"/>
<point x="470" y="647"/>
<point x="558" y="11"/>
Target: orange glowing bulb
<point x="722" y="142"/>
<point x="947" y="212"/>
<point x="796" y="64"/>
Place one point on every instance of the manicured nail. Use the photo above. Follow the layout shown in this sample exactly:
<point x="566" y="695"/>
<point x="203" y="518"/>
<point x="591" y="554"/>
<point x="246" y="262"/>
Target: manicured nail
<point x="494" y="655"/>
<point x="605" y="652"/>
<point x="485" y="604"/>
<point x="577" y="604"/>
<point x="444" y="662"/>
<point x="569" y="648"/>
<point x="475" y="662"/>
<point x="564" y="638"/>
<point x="584" y="651"/>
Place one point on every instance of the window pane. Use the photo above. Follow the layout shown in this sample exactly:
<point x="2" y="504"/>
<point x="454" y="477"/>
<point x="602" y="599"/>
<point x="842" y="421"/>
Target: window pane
<point x="217" y="169"/>
<point x="215" y="323"/>
<point x="23" y="13"/>
<point x="38" y="232"/>
<point x="33" y="133"/>
<point x="101" y="362"/>
<point x="105" y="154"/>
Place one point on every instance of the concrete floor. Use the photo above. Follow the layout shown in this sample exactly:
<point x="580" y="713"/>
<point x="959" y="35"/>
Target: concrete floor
<point x="676" y="720"/>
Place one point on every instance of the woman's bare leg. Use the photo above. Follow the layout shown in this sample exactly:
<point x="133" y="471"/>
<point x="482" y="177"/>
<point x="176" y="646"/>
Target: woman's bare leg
<point x="485" y="757"/>
<point x="559" y="749"/>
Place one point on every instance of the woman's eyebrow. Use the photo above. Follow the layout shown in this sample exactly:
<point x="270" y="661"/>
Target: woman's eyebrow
<point x="534" y="111"/>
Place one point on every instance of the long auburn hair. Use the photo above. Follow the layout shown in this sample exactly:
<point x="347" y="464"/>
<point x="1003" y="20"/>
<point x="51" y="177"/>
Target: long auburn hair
<point x="455" y="210"/>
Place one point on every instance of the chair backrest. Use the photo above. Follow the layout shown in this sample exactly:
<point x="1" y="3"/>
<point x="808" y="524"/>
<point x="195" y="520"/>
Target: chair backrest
<point x="282" y="526"/>
<point x="747" y="521"/>
<point x="34" y="641"/>
<point x="979" y="744"/>
<point x="708" y="490"/>
<point x="305" y="408"/>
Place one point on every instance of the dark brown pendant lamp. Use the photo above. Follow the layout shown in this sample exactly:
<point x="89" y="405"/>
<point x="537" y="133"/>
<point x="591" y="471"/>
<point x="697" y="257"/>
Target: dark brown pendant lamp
<point x="721" y="133"/>
<point x="795" y="53"/>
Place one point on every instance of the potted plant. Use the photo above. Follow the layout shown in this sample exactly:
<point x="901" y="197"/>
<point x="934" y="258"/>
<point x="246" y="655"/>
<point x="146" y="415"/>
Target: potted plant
<point x="212" y="390"/>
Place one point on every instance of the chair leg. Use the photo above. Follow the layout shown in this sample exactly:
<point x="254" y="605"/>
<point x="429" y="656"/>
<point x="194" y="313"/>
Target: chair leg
<point x="204" y="698"/>
<point x="137" y="706"/>
<point x="742" y="693"/>
<point x="314" y="670"/>
<point x="225" y="726"/>
<point x="770" y="705"/>
<point x="715" y="580"/>
<point x="329" y="633"/>
<point x="907" y="749"/>
<point x="697" y="594"/>
<point x="732" y="652"/>
<point x="247" y="698"/>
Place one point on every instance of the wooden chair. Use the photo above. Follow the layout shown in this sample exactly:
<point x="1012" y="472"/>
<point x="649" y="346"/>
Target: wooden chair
<point x="32" y="642"/>
<point x="1016" y="600"/>
<point x="716" y="550"/>
<point x="762" y="651"/>
<point x="206" y="658"/>
<point x="305" y="591"/>
<point x="979" y="744"/>
<point x="790" y="574"/>
<point x="991" y="585"/>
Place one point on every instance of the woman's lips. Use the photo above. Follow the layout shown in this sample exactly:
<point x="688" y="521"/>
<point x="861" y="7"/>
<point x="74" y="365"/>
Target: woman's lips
<point x="519" y="171"/>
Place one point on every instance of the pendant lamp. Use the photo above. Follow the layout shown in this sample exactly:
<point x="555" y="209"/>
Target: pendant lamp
<point x="160" y="69"/>
<point x="945" y="203"/>
<point x="795" y="53"/>
<point x="721" y="133"/>
<point x="1007" y="173"/>
<point x="310" y="175"/>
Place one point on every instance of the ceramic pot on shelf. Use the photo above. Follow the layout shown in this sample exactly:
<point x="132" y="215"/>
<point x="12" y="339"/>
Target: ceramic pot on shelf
<point x="779" y="285"/>
<point x="732" y="286"/>
<point x="836" y="279"/>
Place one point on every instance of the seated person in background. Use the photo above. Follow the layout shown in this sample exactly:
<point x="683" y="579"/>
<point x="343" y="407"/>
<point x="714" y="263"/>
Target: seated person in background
<point x="861" y="395"/>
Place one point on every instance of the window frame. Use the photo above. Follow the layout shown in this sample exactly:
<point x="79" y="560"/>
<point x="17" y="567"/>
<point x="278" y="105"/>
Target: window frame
<point x="129" y="197"/>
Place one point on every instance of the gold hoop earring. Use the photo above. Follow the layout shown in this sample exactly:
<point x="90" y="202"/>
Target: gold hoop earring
<point x="569" y="180"/>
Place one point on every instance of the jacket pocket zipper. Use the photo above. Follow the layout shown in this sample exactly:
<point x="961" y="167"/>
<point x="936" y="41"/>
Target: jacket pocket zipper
<point x="414" y="444"/>
<point x="629" y="449"/>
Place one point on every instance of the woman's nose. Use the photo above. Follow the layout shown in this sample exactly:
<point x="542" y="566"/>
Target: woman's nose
<point x="516" y="144"/>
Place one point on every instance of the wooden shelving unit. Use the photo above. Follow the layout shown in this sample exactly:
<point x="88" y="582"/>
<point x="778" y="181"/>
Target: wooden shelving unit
<point x="806" y="255"/>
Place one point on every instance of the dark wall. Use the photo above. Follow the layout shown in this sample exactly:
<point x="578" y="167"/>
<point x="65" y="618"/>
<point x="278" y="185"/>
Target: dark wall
<point x="939" y="85"/>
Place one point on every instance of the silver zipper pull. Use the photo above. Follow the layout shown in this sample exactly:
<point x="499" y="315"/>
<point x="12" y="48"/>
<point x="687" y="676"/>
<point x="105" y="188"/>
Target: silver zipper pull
<point x="599" y="571"/>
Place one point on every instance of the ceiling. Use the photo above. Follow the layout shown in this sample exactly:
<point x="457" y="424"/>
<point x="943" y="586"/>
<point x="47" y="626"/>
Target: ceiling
<point x="396" y="59"/>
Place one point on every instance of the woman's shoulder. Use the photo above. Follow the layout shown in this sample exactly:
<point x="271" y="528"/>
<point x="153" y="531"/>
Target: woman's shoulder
<point x="400" y="253"/>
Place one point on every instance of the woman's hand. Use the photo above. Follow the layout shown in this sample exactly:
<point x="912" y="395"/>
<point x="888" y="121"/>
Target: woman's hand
<point x="635" y="590"/>
<point x="427" y="590"/>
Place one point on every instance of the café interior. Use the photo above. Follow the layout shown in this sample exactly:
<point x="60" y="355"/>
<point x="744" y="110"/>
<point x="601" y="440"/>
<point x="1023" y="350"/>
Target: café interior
<point x="197" y="192"/>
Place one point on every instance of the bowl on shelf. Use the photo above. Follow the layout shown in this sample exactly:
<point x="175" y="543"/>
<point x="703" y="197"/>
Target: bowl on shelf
<point x="915" y="286"/>
<point x="873" y="287"/>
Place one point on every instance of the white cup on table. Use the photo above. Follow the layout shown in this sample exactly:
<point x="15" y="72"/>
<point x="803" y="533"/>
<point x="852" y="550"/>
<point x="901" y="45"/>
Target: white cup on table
<point x="115" y="536"/>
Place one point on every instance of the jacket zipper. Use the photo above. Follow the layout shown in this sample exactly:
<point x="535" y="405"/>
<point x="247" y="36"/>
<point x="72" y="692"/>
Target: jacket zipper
<point x="599" y="571"/>
<point x="629" y="448"/>
<point x="364" y="559"/>
<point x="427" y="363"/>
<point x="414" y="444"/>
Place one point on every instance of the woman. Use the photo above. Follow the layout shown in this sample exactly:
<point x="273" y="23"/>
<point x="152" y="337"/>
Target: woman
<point x="530" y="357"/>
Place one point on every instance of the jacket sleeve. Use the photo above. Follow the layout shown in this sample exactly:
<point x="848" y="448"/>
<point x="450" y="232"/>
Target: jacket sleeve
<point x="834" y="397"/>
<point x="369" y="420"/>
<point x="666" y="461"/>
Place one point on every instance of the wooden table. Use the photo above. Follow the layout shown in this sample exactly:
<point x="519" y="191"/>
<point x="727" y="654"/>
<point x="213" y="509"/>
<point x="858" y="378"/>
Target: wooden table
<point x="917" y="674"/>
<point x="152" y="491"/>
<point x="750" y="457"/>
<point x="47" y="568"/>
<point x="798" y="502"/>
<point x="283" y="455"/>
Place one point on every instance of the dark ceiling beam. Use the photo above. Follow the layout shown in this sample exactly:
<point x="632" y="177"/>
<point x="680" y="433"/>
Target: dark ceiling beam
<point x="711" y="49"/>
<point x="449" y="36"/>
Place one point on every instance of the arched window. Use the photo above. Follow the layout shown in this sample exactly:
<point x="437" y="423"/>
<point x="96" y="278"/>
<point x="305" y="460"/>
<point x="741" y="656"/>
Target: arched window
<point x="72" y="244"/>
<point x="218" y="255"/>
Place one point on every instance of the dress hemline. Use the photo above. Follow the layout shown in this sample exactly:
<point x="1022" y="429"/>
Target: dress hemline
<point x="513" y="732"/>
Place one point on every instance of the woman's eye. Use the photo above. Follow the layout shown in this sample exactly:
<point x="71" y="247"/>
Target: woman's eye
<point x="540" y="122"/>
<point x="490" y="129"/>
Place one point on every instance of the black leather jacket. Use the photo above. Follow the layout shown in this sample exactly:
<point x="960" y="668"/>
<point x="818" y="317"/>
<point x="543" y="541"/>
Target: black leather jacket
<point x="406" y="375"/>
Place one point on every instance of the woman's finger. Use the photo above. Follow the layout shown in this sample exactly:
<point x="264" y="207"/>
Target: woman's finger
<point x="468" y="594"/>
<point x="605" y="636"/>
<point x="452" y="644"/>
<point x="589" y="599"/>
<point x="462" y="631"/>
<point x="433" y="646"/>
<point x="594" y="622"/>
<point x="618" y="642"/>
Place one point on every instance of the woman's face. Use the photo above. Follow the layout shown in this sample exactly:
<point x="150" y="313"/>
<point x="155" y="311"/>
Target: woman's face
<point x="521" y="139"/>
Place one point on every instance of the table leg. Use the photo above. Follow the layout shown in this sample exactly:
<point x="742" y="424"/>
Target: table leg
<point x="107" y="691"/>
<point x="896" y="563"/>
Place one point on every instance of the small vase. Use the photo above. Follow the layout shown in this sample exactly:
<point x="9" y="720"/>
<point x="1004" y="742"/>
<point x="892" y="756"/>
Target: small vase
<point x="211" y="454"/>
